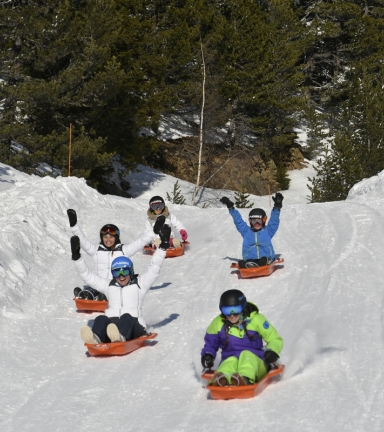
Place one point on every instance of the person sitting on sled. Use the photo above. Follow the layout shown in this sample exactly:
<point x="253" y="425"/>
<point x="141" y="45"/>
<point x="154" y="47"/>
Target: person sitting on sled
<point x="239" y="331"/>
<point x="108" y="249"/>
<point x="257" y="246"/>
<point x="158" y="208"/>
<point x="123" y="320"/>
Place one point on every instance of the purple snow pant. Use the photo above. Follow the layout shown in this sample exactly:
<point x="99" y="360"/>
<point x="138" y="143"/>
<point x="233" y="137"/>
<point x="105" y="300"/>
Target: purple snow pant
<point x="128" y="326"/>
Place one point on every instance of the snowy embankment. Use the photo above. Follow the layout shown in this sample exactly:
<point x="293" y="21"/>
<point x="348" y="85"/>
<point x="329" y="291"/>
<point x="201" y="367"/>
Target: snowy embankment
<point x="327" y="304"/>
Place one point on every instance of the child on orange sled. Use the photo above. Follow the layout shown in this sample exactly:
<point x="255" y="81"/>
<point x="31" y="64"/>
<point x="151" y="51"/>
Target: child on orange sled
<point x="108" y="249"/>
<point x="239" y="331"/>
<point x="257" y="246"/>
<point x="158" y="208"/>
<point x="123" y="320"/>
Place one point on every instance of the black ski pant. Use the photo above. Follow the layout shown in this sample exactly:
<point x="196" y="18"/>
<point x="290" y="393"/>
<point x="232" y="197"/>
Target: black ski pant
<point x="128" y="326"/>
<point x="263" y="261"/>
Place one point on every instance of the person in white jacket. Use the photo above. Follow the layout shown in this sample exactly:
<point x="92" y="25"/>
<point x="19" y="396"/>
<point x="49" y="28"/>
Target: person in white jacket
<point x="109" y="248"/>
<point x="123" y="320"/>
<point x="158" y="208"/>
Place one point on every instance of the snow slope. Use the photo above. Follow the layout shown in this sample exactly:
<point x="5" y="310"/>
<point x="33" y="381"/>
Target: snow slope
<point x="327" y="304"/>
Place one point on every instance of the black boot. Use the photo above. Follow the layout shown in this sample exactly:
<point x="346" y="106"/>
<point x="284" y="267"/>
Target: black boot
<point x="76" y="291"/>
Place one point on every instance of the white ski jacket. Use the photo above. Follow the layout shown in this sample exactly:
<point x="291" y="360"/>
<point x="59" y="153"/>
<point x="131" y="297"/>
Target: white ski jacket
<point x="103" y="257"/>
<point x="170" y="220"/>
<point x="127" y="299"/>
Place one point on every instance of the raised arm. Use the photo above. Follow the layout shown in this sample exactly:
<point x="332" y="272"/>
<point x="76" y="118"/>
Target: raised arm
<point x="148" y="237"/>
<point x="87" y="246"/>
<point x="241" y="226"/>
<point x="274" y="222"/>
<point x="88" y="277"/>
<point x="147" y="279"/>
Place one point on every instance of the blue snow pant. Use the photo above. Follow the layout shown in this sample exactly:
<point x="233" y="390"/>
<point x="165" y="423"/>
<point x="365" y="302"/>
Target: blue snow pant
<point x="128" y="326"/>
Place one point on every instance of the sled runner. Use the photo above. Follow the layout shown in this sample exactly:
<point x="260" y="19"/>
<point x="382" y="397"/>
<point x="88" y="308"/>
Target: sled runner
<point x="118" y="348"/>
<point x="242" y="392"/>
<point x="91" y="305"/>
<point x="171" y="252"/>
<point x="257" y="271"/>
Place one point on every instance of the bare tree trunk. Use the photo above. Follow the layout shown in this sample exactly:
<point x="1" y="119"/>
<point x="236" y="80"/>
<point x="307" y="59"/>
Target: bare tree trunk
<point x="201" y="128"/>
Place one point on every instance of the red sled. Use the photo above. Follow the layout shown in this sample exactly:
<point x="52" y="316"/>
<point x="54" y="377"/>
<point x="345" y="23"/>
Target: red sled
<point x="257" y="271"/>
<point x="118" y="348"/>
<point x="242" y="392"/>
<point x="171" y="252"/>
<point x="91" y="305"/>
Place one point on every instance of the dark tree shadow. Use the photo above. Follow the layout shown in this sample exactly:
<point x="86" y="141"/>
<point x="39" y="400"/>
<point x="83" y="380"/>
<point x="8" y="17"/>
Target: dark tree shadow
<point x="165" y="321"/>
<point x="164" y="285"/>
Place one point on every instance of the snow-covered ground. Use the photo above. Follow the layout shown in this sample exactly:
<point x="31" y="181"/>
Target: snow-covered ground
<point x="327" y="304"/>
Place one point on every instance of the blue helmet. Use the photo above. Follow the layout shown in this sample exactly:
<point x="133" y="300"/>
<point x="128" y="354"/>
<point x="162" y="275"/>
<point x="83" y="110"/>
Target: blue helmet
<point x="122" y="262"/>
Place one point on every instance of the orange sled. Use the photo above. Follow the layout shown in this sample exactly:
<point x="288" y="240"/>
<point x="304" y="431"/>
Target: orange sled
<point x="257" y="271"/>
<point x="172" y="252"/>
<point x="242" y="392"/>
<point x="91" y="305"/>
<point x="118" y="348"/>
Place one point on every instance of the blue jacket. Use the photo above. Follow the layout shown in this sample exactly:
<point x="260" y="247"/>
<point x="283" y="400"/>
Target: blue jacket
<point x="257" y="244"/>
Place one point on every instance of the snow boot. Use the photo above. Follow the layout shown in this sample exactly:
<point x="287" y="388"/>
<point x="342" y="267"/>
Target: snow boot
<point x="88" y="336"/>
<point x="85" y="295"/>
<point x="240" y="381"/>
<point x="114" y="334"/>
<point x="176" y="243"/>
<point x="76" y="291"/>
<point x="242" y="264"/>
<point x="220" y="380"/>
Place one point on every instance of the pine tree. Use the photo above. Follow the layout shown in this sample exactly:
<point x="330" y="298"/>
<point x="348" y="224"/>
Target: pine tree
<point x="242" y="198"/>
<point x="337" y="171"/>
<point x="177" y="197"/>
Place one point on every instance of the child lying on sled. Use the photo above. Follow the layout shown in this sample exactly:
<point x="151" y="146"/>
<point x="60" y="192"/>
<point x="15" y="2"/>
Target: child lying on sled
<point x="257" y="245"/>
<point x="239" y="331"/>
<point x="123" y="320"/>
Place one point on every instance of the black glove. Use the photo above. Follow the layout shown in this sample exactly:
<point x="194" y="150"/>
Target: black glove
<point x="207" y="361"/>
<point x="158" y="224"/>
<point x="75" y="248"/>
<point x="227" y="202"/>
<point x="72" y="217"/>
<point x="270" y="356"/>
<point x="165" y="234"/>
<point x="278" y="200"/>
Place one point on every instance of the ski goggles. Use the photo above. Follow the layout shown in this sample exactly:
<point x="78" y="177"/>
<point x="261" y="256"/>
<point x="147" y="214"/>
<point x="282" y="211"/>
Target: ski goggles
<point x="109" y="230"/>
<point x="255" y="221"/>
<point x="121" y="272"/>
<point x="231" y="310"/>
<point x="155" y="206"/>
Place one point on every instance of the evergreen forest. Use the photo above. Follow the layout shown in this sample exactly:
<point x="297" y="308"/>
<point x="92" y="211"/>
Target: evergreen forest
<point x="112" y="68"/>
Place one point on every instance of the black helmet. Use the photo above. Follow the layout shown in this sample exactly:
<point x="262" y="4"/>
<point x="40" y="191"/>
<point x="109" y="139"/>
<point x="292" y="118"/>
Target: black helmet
<point x="112" y="230"/>
<point x="257" y="213"/>
<point x="157" y="203"/>
<point x="232" y="301"/>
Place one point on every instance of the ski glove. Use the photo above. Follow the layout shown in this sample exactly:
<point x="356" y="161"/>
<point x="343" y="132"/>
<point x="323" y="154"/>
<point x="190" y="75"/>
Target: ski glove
<point x="183" y="234"/>
<point x="207" y="361"/>
<point x="165" y="234"/>
<point x="72" y="217"/>
<point x="75" y="248"/>
<point x="278" y="200"/>
<point x="158" y="224"/>
<point x="227" y="202"/>
<point x="270" y="356"/>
